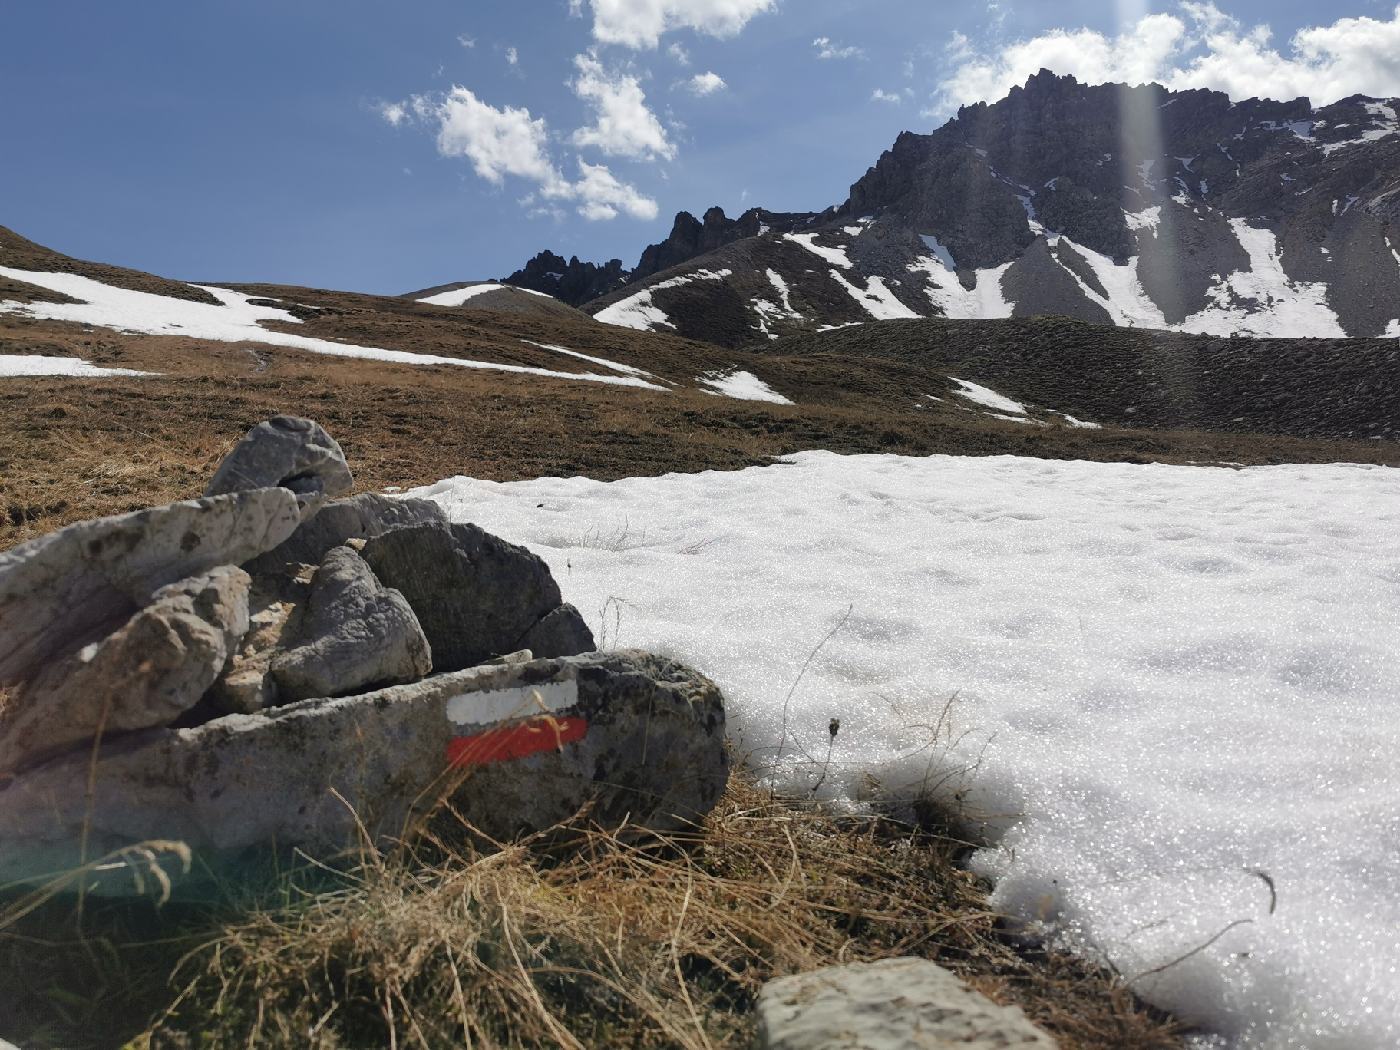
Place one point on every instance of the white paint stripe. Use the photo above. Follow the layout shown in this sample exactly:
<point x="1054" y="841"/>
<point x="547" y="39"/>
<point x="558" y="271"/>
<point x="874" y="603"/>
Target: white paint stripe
<point x="476" y="710"/>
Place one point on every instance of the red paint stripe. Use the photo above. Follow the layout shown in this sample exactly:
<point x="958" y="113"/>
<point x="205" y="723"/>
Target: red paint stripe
<point x="519" y="741"/>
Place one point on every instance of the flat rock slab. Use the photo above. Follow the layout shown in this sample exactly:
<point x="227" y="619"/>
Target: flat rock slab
<point x="896" y="1004"/>
<point x="78" y="585"/>
<point x="515" y="747"/>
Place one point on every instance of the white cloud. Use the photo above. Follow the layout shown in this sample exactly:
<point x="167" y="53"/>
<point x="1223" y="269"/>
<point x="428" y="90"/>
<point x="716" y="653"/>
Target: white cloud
<point x="881" y="95"/>
<point x="393" y="112"/>
<point x="829" y="49"/>
<point x="703" y="84"/>
<point x="510" y="142"/>
<point x="1200" y="47"/>
<point x="602" y="195"/>
<point x="512" y="56"/>
<point x="467" y="41"/>
<point x="680" y="54"/>
<point x="642" y="23"/>
<point x="623" y="125"/>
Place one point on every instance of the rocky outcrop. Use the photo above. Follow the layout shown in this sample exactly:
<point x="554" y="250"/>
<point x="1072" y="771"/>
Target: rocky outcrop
<point x="889" y="1005"/>
<point x="571" y="281"/>
<point x="691" y="238"/>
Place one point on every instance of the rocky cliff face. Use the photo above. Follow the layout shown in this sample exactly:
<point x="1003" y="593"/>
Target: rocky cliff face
<point x="1134" y="206"/>
<point x="573" y="282"/>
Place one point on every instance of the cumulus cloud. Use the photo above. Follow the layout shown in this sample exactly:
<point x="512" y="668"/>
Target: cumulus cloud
<point x="623" y="124"/>
<point x="680" y="54"/>
<point x="828" y="49"/>
<point x="1198" y="46"/>
<point x="510" y="142"/>
<point x="393" y="112"/>
<point x="703" y="84"/>
<point x="881" y="95"/>
<point x="642" y="23"/>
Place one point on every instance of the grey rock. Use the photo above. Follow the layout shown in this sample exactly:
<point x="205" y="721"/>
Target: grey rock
<point x="476" y="595"/>
<point x="640" y="737"/>
<point x="285" y="452"/>
<point x="247" y="686"/>
<point x="359" y="517"/>
<point x="356" y="633"/>
<point x="561" y="633"/>
<point x="149" y="673"/>
<point x="896" y="1004"/>
<point x="70" y="588"/>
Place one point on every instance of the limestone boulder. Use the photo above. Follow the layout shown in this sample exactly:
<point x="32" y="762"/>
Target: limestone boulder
<point x="354" y="633"/>
<point x="476" y="595"/>
<point x="894" y="1004"/>
<point x="515" y="748"/>
<point x="74" y="587"/>
<point x="148" y="673"/>
<point x="285" y="452"/>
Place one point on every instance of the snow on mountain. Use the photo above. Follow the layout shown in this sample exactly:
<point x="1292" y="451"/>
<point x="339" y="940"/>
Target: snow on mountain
<point x="40" y="365"/>
<point x="1257" y="218"/>
<point x="236" y="320"/>
<point x="1170" y="690"/>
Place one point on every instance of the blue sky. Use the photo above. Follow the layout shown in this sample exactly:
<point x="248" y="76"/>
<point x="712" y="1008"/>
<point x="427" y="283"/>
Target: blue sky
<point x="321" y="142"/>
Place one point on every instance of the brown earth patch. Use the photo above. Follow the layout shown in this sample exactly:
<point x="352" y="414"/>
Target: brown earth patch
<point x="20" y="254"/>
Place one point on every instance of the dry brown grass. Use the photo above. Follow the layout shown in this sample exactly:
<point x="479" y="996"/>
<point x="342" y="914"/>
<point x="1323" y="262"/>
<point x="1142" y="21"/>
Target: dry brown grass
<point x="592" y="941"/>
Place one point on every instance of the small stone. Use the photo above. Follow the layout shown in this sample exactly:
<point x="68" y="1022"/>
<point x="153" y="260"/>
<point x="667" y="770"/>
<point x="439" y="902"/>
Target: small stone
<point x="285" y="452"/>
<point x="354" y="633"/>
<point x="889" y="1005"/>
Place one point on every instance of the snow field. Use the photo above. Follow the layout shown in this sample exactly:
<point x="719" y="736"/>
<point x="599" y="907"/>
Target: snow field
<point x="640" y="313"/>
<point x="1151" y="681"/>
<point x="742" y="386"/>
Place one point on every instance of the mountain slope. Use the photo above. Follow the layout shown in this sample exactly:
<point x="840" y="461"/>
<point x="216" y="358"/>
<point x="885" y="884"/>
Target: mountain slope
<point x="1134" y="206"/>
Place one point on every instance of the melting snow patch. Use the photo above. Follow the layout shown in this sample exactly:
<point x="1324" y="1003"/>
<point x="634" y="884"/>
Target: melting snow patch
<point x="742" y="386"/>
<point x="458" y="296"/>
<point x="235" y="320"/>
<point x="614" y="365"/>
<point x="941" y="253"/>
<point x="35" y="365"/>
<point x="1170" y="678"/>
<point x="985" y="300"/>
<point x="879" y="302"/>
<point x="835" y="256"/>
<point x="987" y="398"/>
<point x="1079" y="423"/>
<point x="637" y="311"/>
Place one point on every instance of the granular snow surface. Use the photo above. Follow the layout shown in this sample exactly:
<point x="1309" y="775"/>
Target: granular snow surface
<point x="1154" y="683"/>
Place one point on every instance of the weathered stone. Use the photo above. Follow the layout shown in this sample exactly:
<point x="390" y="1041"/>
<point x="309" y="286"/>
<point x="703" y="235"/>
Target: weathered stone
<point x="639" y="736"/>
<point x="476" y="595"/>
<point x="560" y="633"/>
<point x="149" y="673"/>
<point x="274" y="608"/>
<point x="354" y="633"/>
<point x="70" y="588"/>
<point x="359" y="517"/>
<point x="285" y="452"/>
<point x="896" y="1004"/>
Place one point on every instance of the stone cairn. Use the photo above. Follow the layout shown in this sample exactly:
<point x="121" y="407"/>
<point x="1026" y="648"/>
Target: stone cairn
<point x="277" y="665"/>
